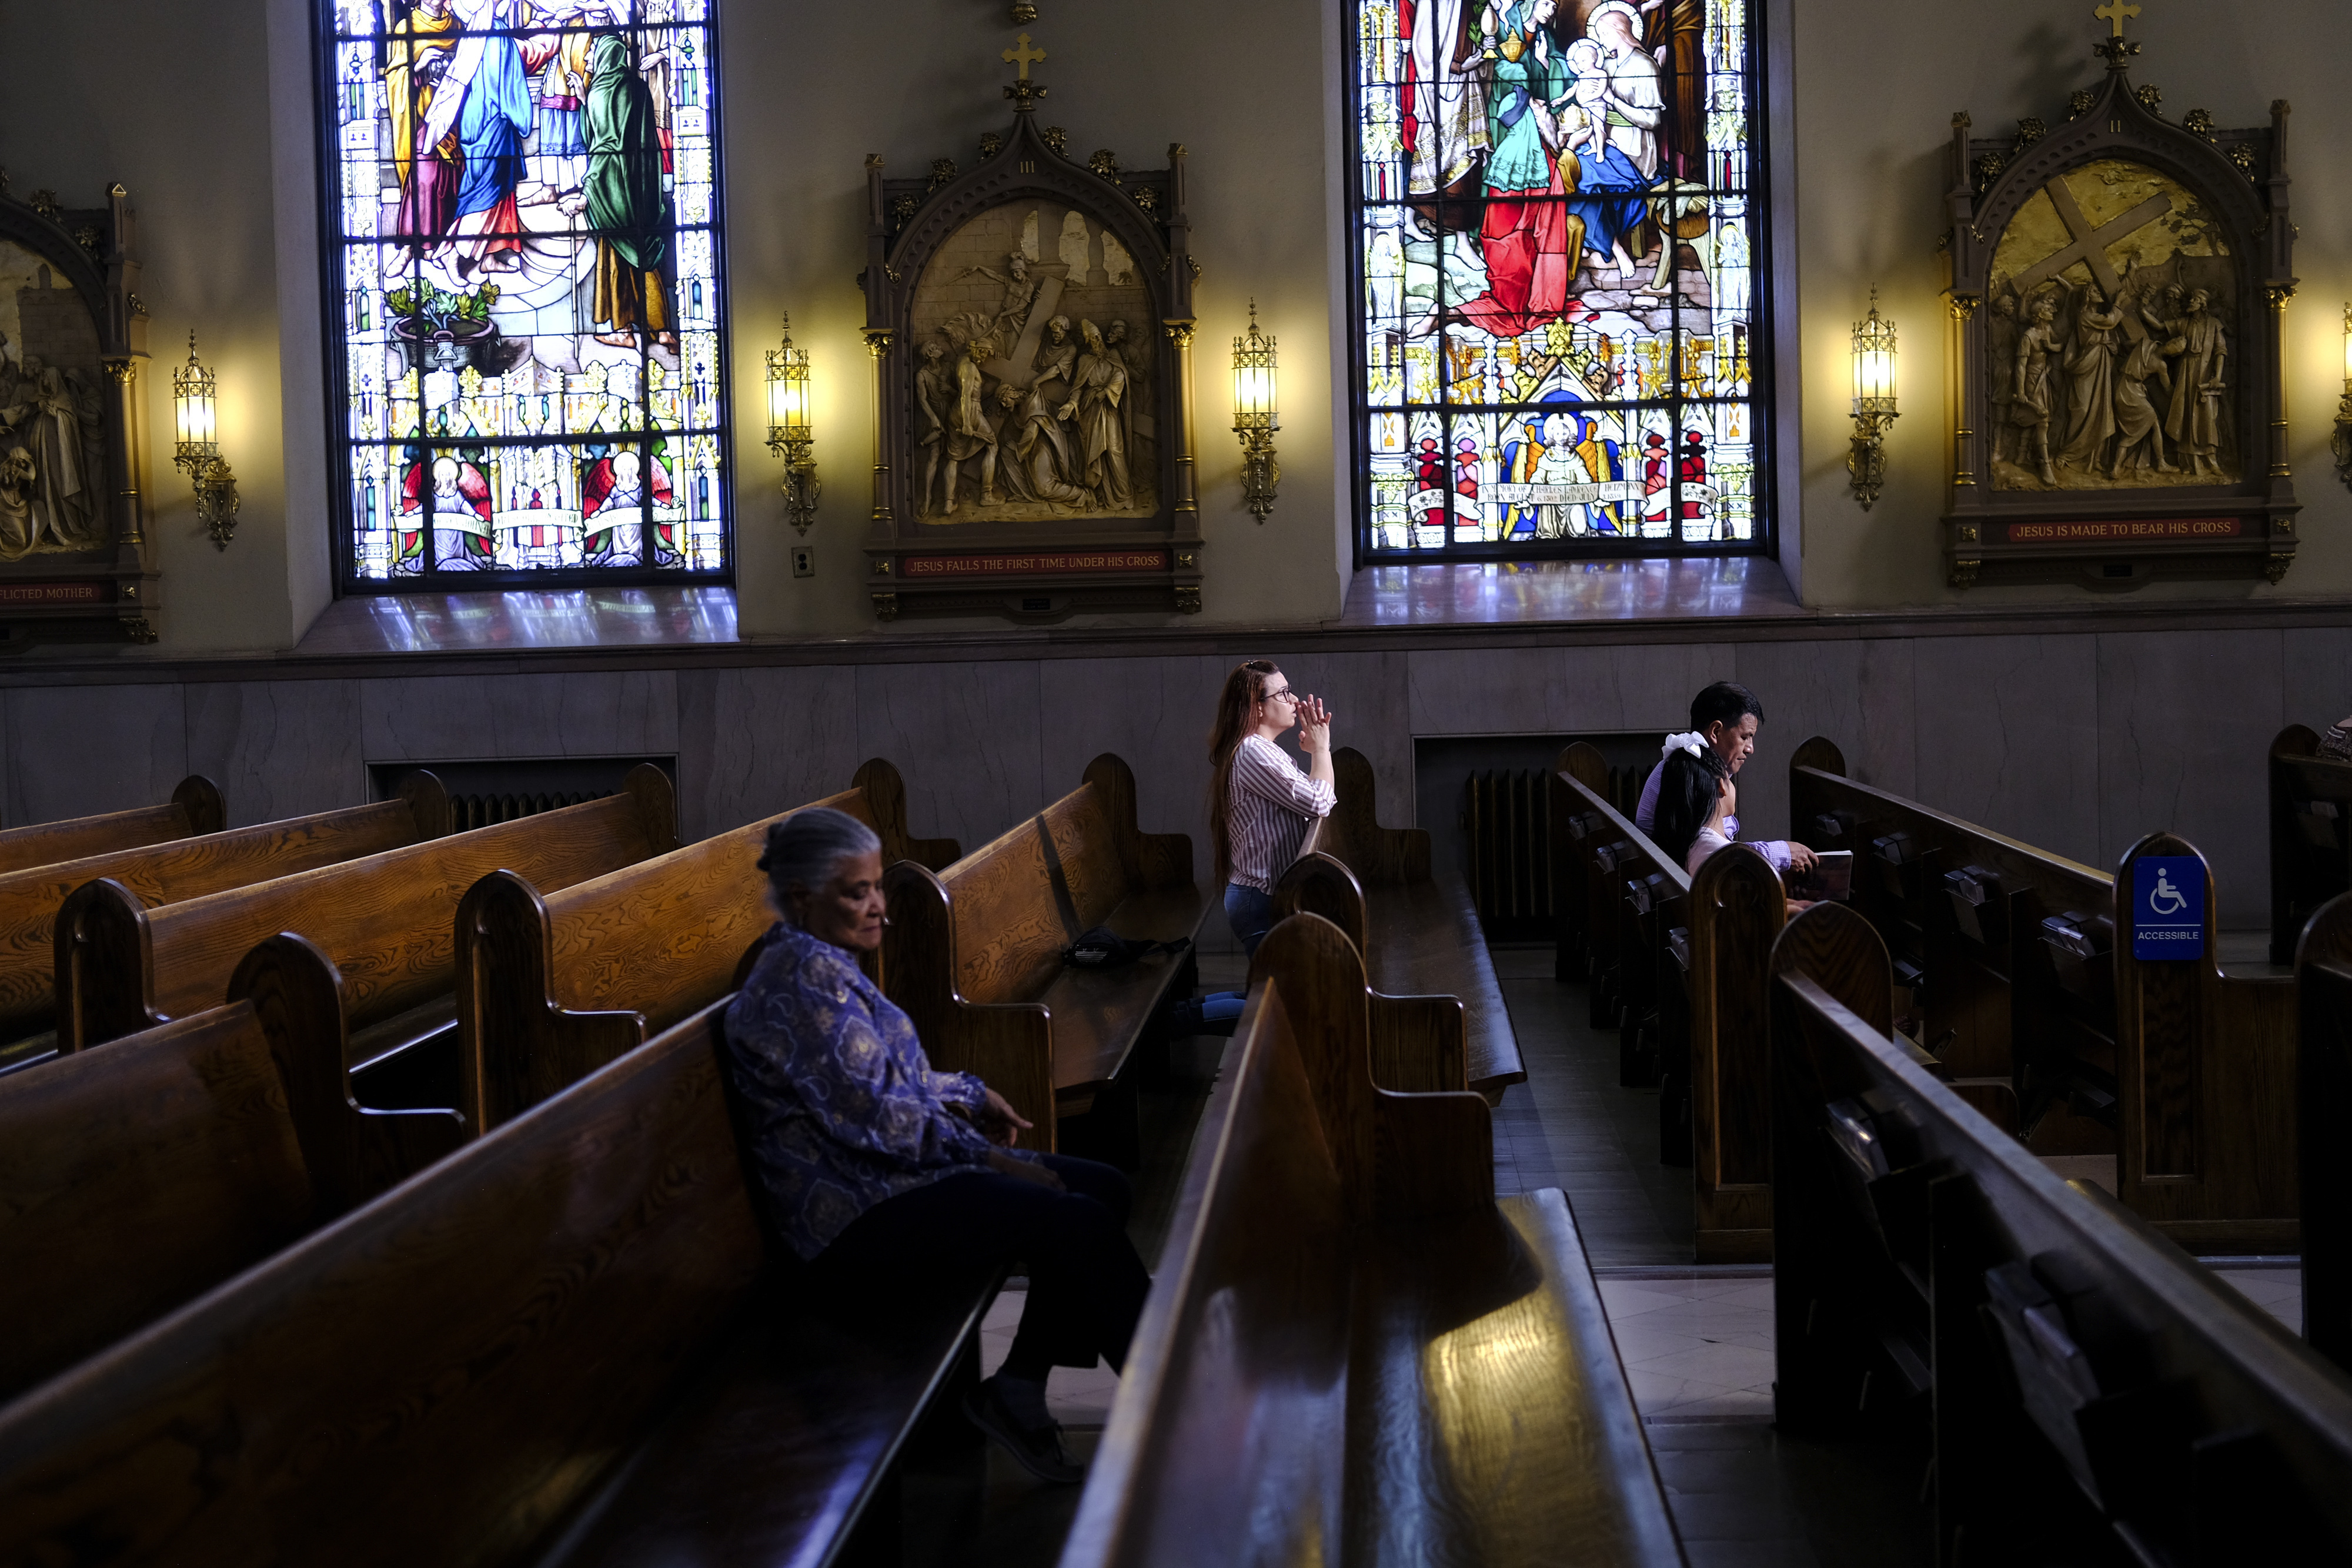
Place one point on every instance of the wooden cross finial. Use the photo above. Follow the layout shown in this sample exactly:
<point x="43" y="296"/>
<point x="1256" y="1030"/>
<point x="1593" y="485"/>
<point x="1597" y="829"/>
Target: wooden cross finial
<point x="2115" y="12"/>
<point x="1026" y="57"/>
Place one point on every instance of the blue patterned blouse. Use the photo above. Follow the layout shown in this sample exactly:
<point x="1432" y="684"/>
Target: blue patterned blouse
<point x="843" y="1109"/>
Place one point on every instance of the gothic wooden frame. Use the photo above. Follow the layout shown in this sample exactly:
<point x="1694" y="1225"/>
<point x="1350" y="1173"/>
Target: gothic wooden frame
<point x="2123" y="537"/>
<point x="106" y="594"/>
<point x="1029" y="572"/>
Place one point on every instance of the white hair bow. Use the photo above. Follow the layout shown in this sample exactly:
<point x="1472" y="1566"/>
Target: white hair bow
<point x="1690" y="740"/>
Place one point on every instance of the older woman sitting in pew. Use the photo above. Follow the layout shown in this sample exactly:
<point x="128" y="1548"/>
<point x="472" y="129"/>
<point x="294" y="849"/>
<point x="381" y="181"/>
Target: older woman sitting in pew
<point x="880" y="1170"/>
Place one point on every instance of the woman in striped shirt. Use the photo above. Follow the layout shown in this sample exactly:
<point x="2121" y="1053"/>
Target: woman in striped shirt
<point x="1259" y="803"/>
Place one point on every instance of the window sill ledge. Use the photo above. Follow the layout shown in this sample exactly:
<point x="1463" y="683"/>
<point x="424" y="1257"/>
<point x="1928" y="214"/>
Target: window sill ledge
<point x="522" y="620"/>
<point x="1567" y="592"/>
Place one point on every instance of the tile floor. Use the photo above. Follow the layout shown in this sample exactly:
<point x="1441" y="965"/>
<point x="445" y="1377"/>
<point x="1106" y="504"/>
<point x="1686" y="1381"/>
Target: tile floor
<point x="1697" y="1347"/>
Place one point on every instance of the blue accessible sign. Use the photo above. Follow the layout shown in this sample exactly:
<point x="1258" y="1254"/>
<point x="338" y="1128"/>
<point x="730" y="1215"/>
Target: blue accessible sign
<point x="2168" y="907"/>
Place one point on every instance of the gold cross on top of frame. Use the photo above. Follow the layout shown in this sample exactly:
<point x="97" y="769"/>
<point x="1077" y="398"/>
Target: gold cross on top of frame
<point x="1026" y="57"/>
<point x="2116" y="11"/>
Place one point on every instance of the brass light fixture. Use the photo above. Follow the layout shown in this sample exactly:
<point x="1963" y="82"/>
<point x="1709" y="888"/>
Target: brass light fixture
<point x="1256" y="416"/>
<point x="789" y="433"/>
<point x="196" y="452"/>
<point x="2342" y="444"/>
<point x="1873" y="402"/>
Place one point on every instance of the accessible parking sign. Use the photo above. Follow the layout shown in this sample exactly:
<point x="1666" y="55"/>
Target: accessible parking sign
<point x="2168" y="907"/>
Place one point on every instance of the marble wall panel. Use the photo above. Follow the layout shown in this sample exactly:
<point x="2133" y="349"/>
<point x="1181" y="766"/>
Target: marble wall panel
<point x="469" y="718"/>
<point x="1153" y="713"/>
<point x="2186" y="720"/>
<point x="2008" y="737"/>
<point x="1859" y="693"/>
<point x="75" y="751"/>
<point x="966" y="738"/>
<point x="277" y="748"/>
<point x="1558" y="691"/>
<point x="2317" y="669"/>
<point x="751" y="743"/>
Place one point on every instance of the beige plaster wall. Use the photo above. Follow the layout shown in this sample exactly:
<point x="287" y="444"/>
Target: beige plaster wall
<point x="202" y="113"/>
<point x="1875" y="90"/>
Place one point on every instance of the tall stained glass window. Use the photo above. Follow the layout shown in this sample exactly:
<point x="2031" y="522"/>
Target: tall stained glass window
<point x="526" y="311"/>
<point x="1557" y="246"/>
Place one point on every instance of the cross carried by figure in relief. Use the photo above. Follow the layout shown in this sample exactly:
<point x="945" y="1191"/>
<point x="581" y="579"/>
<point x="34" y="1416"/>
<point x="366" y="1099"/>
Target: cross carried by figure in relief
<point x="2090" y="247"/>
<point x="1026" y="57"/>
<point x="2115" y="11"/>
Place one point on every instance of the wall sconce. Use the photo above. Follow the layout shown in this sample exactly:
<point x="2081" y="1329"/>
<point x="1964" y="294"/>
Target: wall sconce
<point x="2342" y="444"/>
<point x="1873" y="402"/>
<point x="1256" y="416"/>
<point x="789" y="433"/>
<point x="197" y="451"/>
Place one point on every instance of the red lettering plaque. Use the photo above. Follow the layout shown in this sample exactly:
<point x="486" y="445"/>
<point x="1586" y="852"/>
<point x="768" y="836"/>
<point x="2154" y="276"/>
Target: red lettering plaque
<point x="2126" y="531"/>
<point x="56" y="593"/>
<point x="1039" y="563"/>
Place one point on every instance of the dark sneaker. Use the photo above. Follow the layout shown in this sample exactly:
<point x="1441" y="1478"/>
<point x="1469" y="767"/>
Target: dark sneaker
<point x="1038" y="1452"/>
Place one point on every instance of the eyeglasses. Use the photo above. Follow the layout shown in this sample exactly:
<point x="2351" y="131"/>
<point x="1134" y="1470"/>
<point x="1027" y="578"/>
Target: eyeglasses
<point x="1286" y="694"/>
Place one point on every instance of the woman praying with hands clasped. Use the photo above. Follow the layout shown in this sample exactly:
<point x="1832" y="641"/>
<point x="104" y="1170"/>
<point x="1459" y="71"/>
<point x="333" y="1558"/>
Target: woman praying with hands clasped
<point x="883" y="1173"/>
<point x="1260" y="805"/>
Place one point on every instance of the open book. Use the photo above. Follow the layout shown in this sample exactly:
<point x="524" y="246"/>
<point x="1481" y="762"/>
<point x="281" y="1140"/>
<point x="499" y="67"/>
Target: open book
<point x="1831" y="879"/>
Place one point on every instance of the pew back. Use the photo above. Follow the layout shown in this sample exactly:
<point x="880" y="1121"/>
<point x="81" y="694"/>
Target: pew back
<point x="2311" y="834"/>
<point x="551" y="989"/>
<point x="134" y="1179"/>
<point x="1580" y="761"/>
<point x="195" y="808"/>
<point x="1636" y="898"/>
<point x="438" y="1378"/>
<point x="2083" y="1369"/>
<point x="1737" y="906"/>
<point x="1304" y="1387"/>
<point x="2323" y="985"/>
<point x="184" y="868"/>
<point x="387" y="920"/>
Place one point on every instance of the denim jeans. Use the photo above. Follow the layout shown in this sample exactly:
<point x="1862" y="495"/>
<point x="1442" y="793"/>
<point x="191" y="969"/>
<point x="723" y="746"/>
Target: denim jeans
<point x="1251" y="915"/>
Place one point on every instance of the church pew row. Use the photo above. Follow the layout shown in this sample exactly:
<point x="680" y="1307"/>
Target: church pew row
<point x="1418" y="932"/>
<point x="2311" y="834"/>
<point x="551" y="989"/>
<point x="2019" y="968"/>
<point x="1353" y="1352"/>
<point x="136" y="1178"/>
<point x="195" y="808"/>
<point x="184" y="868"/>
<point x="974" y="955"/>
<point x="565" y="1343"/>
<point x="2086" y="1390"/>
<point x="1581" y="762"/>
<point x="2323" y="988"/>
<point x="387" y="920"/>
<point x="1634" y="930"/>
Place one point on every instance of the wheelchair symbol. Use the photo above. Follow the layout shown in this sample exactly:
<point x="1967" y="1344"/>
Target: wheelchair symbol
<point x="2165" y="898"/>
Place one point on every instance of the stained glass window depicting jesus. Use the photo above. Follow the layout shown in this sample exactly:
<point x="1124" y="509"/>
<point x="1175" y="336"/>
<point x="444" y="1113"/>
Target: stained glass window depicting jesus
<point x="526" y="256"/>
<point x="1557" y="244"/>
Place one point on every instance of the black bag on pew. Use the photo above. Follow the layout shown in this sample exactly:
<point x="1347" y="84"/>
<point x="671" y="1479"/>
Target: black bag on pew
<point x="1103" y="949"/>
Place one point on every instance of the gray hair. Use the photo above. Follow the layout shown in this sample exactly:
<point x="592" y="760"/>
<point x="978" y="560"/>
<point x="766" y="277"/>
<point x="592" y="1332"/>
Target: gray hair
<point x="806" y="848"/>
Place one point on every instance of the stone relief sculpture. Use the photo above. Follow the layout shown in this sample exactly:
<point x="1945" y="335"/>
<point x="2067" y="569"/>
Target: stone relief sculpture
<point x="2109" y="292"/>
<point x="1025" y="403"/>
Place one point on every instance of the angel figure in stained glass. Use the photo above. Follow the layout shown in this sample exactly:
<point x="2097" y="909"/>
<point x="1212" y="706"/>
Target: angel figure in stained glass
<point x="616" y="514"/>
<point x="454" y="502"/>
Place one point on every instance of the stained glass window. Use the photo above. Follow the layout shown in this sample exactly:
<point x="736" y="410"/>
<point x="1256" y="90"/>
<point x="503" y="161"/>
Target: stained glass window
<point x="526" y="319"/>
<point x="1556" y="256"/>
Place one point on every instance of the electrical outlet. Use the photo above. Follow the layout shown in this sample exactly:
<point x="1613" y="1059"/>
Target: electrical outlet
<point x="803" y="560"/>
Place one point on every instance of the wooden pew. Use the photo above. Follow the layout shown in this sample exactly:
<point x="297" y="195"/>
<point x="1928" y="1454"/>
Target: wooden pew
<point x="1737" y="906"/>
<point x="2088" y="1391"/>
<point x="1636" y="899"/>
<point x="387" y="921"/>
<point x="195" y="808"/>
<point x="184" y="868"/>
<point x="564" y="1342"/>
<point x="973" y="953"/>
<point x="2031" y="1003"/>
<point x="2311" y="834"/>
<point x="134" y="1179"/>
<point x="1352" y="1352"/>
<point x="2323" y="989"/>
<point x="1571" y="820"/>
<point x="552" y="988"/>
<point x="1419" y="933"/>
